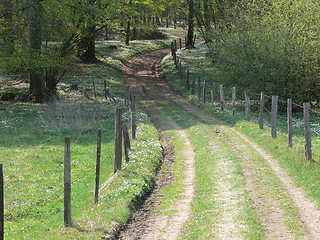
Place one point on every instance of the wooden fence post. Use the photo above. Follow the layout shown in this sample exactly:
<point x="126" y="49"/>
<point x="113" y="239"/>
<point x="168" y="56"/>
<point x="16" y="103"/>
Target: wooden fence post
<point x="274" y="113"/>
<point x="98" y="162"/>
<point x="126" y="142"/>
<point x="247" y="106"/>
<point x="211" y="95"/>
<point x="180" y="43"/>
<point x="204" y="90"/>
<point x="133" y="118"/>
<point x="118" y="142"/>
<point x="307" y="134"/>
<point x="221" y="97"/>
<point x="233" y="102"/>
<point x="107" y="93"/>
<point x="67" y="184"/>
<point x="1" y="203"/>
<point x="289" y="121"/>
<point x="172" y="49"/>
<point x="261" y="113"/>
<point x="188" y="80"/>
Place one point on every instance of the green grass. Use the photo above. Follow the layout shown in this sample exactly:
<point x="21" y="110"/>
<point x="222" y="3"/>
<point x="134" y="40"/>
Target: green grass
<point x="32" y="145"/>
<point x="209" y="213"/>
<point x="304" y="173"/>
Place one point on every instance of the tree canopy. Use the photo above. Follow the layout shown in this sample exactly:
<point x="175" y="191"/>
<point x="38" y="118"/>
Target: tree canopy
<point x="263" y="45"/>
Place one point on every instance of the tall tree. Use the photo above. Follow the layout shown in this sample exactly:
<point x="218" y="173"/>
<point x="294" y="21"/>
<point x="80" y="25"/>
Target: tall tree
<point x="190" y="36"/>
<point x="35" y="38"/>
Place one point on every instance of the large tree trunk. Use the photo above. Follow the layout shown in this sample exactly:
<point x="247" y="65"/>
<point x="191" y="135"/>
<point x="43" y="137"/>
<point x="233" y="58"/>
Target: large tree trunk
<point x="190" y="36"/>
<point x="128" y="31"/>
<point x="35" y="35"/>
<point x="87" y="46"/>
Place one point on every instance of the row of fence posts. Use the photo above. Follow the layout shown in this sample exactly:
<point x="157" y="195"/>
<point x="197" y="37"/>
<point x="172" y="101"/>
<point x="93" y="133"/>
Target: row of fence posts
<point x="122" y="140"/>
<point x="274" y="105"/>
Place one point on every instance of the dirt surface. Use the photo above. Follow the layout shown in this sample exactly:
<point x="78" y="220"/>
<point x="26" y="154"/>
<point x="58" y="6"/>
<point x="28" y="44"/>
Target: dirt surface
<point x="143" y="75"/>
<point x="148" y="223"/>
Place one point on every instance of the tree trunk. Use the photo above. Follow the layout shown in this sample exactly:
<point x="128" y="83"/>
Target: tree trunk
<point x="87" y="46"/>
<point x="206" y="19"/>
<point x="190" y="36"/>
<point x="128" y="33"/>
<point x="35" y="37"/>
<point x="51" y="82"/>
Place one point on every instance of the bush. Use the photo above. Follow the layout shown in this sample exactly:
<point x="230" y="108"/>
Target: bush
<point x="273" y="48"/>
<point x="148" y="33"/>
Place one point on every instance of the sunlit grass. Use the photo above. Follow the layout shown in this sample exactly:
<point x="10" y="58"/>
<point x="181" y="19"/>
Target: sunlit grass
<point x="304" y="173"/>
<point x="32" y="151"/>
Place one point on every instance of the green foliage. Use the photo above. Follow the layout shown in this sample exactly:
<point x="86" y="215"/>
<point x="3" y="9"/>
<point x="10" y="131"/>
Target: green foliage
<point x="271" y="47"/>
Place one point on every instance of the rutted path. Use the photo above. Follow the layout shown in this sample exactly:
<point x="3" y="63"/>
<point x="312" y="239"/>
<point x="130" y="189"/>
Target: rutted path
<point x="158" y="225"/>
<point x="278" y="203"/>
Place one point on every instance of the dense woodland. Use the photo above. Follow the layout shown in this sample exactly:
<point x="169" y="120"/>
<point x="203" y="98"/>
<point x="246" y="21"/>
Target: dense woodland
<point x="261" y="45"/>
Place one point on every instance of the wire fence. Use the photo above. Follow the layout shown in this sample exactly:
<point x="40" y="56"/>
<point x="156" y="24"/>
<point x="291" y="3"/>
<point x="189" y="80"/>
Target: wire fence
<point x="28" y="196"/>
<point x="208" y="91"/>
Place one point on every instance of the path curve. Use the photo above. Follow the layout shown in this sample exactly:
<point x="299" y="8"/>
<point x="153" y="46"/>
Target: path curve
<point x="139" y="72"/>
<point x="143" y="73"/>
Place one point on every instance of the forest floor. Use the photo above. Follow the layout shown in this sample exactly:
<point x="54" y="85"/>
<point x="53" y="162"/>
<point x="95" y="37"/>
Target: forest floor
<point x="143" y="75"/>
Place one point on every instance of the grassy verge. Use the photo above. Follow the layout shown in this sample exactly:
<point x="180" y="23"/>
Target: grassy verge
<point x="306" y="174"/>
<point x="218" y="177"/>
<point x="222" y="208"/>
<point x="31" y="149"/>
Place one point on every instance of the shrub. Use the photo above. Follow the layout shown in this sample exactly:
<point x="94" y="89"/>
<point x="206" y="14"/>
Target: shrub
<point x="273" y="48"/>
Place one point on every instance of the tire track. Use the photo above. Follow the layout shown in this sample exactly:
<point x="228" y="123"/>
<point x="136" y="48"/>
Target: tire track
<point x="148" y="84"/>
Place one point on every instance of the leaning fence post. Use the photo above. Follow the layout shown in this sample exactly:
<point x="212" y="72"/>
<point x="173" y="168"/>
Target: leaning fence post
<point x="247" y="106"/>
<point x="261" y="113"/>
<point x="118" y="142"/>
<point x="67" y="184"/>
<point x="307" y="134"/>
<point x="234" y="100"/>
<point x="96" y="193"/>
<point x="274" y="112"/>
<point x="289" y="113"/>
<point x="221" y="97"/>
<point x="1" y="203"/>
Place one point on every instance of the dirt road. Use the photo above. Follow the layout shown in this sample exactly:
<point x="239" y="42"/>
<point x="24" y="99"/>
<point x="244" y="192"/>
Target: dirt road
<point x="283" y="210"/>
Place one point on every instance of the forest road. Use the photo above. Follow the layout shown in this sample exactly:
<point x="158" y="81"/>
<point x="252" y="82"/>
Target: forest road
<point x="144" y="77"/>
